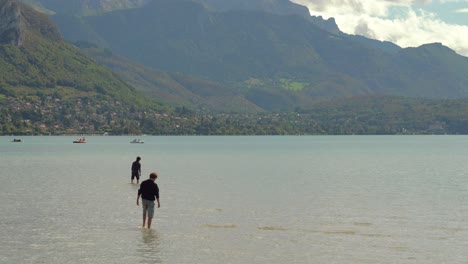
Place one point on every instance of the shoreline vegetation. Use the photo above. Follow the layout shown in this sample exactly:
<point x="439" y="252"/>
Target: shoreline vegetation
<point x="385" y="115"/>
<point x="233" y="126"/>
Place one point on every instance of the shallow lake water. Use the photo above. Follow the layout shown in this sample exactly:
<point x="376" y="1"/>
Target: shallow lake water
<point x="309" y="199"/>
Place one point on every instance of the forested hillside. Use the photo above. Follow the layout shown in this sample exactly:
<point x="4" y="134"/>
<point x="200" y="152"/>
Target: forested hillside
<point x="48" y="84"/>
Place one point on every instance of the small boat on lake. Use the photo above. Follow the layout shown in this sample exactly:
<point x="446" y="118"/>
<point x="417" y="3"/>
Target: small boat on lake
<point x="79" y="140"/>
<point x="137" y="141"/>
<point x="17" y="140"/>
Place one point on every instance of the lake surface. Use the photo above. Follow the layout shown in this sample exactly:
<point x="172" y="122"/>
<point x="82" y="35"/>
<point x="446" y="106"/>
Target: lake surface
<point x="317" y="199"/>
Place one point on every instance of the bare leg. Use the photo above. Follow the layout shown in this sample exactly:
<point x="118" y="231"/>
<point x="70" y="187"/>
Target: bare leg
<point x="144" y="220"/>
<point x="149" y="222"/>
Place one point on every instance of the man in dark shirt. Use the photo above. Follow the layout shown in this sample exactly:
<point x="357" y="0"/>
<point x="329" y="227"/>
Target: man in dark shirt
<point x="136" y="169"/>
<point x="148" y="191"/>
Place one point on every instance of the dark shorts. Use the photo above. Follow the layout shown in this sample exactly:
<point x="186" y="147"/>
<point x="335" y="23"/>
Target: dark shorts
<point x="136" y="175"/>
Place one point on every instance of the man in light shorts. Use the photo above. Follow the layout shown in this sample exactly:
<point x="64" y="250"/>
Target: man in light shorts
<point x="149" y="192"/>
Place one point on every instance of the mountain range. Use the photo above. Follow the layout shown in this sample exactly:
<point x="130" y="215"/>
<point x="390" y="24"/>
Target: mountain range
<point x="131" y="61"/>
<point x="269" y="52"/>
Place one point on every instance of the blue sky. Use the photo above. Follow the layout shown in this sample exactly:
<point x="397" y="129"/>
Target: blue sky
<point x="408" y="23"/>
<point x="455" y="13"/>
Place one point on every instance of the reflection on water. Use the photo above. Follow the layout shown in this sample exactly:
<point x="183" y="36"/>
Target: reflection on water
<point x="149" y="249"/>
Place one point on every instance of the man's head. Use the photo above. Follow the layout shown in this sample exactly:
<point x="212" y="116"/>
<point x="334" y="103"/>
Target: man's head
<point x="138" y="158"/>
<point x="153" y="176"/>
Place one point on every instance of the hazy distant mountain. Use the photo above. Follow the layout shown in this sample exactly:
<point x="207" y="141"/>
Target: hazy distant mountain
<point x="173" y="89"/>
<point x="286" y="7"/>
<point x="84" y="7"/>
<point x="269" y="53"/>
<point x="278" y="7"/>
<point x="251" y="50"/>
<point x="286" y="58"/>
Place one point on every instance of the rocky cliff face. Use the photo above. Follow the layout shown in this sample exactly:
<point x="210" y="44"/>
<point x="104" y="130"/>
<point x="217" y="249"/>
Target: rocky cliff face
<point x="10" y="23"/>
<point x="278" y="7"/>
<point x="18" y="20"/>
<point x="327" y="25"/>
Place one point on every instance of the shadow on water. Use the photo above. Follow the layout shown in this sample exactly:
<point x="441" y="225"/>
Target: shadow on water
<point x="149" y="248"/>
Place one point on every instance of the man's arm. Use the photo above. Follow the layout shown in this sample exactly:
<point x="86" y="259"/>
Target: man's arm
<point x="138" y="199"/>
<point x="156" y="193"/>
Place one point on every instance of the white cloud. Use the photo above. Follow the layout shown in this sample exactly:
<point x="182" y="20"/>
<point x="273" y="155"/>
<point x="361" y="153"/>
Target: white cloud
<point x="412" y="27"/>
<point x="464" y="10"/>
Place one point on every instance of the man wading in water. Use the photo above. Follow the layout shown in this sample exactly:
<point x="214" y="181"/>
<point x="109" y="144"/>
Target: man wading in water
<point x="148" y="191"/>
<point x="136" y="169"/>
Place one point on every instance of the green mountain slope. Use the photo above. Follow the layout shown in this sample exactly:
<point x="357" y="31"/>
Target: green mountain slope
<point x="47" y="83"/>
